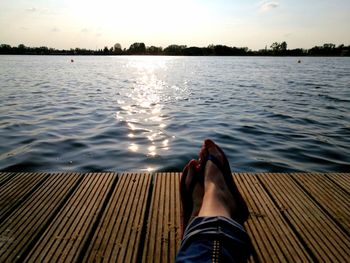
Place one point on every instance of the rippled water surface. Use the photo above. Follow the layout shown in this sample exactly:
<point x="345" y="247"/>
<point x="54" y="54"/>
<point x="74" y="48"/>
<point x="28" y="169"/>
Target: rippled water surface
<point x="152" y="113"/>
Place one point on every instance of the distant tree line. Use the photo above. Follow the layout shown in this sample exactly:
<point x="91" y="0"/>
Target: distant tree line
<point x="139" y="48"/>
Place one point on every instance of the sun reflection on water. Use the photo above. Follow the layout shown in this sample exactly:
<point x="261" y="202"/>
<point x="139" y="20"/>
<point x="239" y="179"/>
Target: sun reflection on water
<point x="142" y="107"/>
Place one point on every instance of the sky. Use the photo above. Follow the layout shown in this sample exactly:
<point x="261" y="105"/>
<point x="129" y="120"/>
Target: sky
<point x="93" y="24"/>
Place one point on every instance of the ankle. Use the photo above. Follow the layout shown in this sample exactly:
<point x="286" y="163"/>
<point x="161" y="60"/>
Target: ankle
<point x="216" y="202"/>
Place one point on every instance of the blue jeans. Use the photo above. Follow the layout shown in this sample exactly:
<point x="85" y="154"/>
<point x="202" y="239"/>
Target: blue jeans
<point x="214" y="239"/>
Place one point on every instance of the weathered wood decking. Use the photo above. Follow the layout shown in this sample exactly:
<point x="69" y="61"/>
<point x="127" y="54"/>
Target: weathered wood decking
<point x="134" y="217"/>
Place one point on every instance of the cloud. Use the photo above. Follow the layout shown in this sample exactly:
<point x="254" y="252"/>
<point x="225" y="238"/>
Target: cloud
<point x="55" y="30"/>
<point x="41" y="11"/>
<point x="31" y="9"/>
<point x="268" y="5"/>
<point x="47" y="11"/>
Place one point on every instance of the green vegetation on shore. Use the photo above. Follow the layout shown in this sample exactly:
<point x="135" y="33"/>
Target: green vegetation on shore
<point x="276" y="49"/>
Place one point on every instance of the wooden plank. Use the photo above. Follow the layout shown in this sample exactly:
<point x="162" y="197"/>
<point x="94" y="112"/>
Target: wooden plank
<point x="163" y="229"/>
<point x="22" y="227"/>
<point x="65" y="237"/>
<point x="117" y="236"/>
<point x="272" y="238"/>
<point x="176" y="235"/>
<point x="324" y="239"/>
<point x="5" y="176"/>
<point x="328" y="195"/>
<point x="152" y="222"/>
<point x="341" y="179"/>
<point x="60" y="217"/>
<point x="15" y="190"/>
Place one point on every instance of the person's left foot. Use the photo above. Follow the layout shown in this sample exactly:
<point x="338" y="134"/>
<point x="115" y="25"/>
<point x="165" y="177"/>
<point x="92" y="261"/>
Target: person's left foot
<point x="198" y="190"/>
<point x="191" y="192"/>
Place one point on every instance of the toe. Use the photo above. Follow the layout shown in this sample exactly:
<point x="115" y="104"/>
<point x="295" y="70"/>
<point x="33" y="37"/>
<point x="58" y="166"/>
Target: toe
<point x="209" y="143"/>
<point x="212" y="149"/>
<point x="192" y="170"/>
<point x="202" y="154"/>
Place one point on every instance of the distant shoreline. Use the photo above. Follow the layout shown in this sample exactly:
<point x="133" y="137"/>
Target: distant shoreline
<point x="150" y="55"/>
<point x="139" y="48"/>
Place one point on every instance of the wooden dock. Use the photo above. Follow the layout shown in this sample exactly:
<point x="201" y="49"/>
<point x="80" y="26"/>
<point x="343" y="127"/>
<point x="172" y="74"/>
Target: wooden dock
<point x="135" y="217"/>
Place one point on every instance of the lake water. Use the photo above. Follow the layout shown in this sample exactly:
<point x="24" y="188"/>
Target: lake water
<point x="137" y="113"/>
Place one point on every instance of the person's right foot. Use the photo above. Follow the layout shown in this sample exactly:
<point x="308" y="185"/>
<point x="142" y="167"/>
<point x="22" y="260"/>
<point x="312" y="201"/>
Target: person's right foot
<point x="218" y="198"/>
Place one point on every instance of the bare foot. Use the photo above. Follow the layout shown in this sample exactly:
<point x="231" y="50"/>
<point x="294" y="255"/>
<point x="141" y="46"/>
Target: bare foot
<point x="191" y="192"/>
<point x="218" y="199"/>
<point x="198" y="190"/>
<point x="231" y="199"/>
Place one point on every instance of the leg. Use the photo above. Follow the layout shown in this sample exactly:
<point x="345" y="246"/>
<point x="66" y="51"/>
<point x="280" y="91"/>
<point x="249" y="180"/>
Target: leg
<point x="214" y="236"/>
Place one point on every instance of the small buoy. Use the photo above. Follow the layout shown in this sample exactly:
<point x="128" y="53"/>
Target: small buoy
<point x="72" y="60"/>
<point x="299" y="61"/>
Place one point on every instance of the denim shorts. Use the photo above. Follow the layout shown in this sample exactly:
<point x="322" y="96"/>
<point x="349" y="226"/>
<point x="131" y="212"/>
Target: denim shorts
<point x="214" y="239"/>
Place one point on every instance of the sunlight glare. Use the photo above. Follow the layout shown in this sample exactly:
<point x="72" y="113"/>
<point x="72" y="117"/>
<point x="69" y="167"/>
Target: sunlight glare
<point x="165" y="142"/>
<point x="136" y="20"/>
<point x="150" y="169"/>
<point x="133" y="147"/>
<point x="132" y="126"/>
